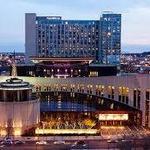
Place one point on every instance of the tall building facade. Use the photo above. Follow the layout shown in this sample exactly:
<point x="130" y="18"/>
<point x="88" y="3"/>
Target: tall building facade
<point x="110" y="38"/>
<point x="51" y="36"/>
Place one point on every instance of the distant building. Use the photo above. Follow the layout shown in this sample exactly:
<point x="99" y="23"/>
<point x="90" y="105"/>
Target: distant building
<point x="110" y="37"/>
<point x="50" y="36"/>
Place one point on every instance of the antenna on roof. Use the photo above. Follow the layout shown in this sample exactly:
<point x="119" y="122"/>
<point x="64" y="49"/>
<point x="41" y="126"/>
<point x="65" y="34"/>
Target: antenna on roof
<point x="107" y="12"/>
<point x="14" y="69"/>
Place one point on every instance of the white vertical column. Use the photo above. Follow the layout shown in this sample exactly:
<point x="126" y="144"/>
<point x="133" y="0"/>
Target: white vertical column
<point x="106" y="91"/>
<point x="130" y="95"/>
<point x="18" y="95"/>
<point x="142" y="105"/>
<point x="4" y="96"/>
<point x="149" y="114"/>
<point x="116" y="90"/>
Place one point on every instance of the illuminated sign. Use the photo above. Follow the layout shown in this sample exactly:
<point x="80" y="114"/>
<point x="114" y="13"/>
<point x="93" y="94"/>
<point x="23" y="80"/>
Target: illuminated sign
<point x="113" y="116"/>
<point x="93" y="74"/>
<point x="65" y="131"/>
<point x="54" y="17"/>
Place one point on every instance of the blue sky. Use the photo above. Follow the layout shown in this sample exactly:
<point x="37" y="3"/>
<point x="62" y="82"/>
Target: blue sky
<point x="135" y="19"/>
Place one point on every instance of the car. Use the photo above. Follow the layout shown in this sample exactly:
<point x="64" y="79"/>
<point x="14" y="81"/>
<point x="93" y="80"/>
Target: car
<point x="1" y="146"/>
<point x="112" y="141"/>
<point x="59" y="142"/>
<point x="41" y="142"/>
<point x="7" y="142"/>
<point x="18" y="142"/>
<point x="1" y="142"/>
<point x="7" y="138"/>
<point x="126" y="140"/>
<point x="79" y="145"/>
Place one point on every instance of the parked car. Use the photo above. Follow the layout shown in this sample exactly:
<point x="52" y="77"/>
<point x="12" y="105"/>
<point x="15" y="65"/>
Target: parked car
<point x="59" y="142"/>
<point x="79" y="145"/>
<point x="112" y="141"/>
<point x="18" y="142"/>
<point x="7" y="142"/>
<point x="41" y="142"/>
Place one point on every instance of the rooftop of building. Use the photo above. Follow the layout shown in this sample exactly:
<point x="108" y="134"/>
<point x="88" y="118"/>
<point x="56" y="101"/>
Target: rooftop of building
<point x="12" y="83"/>
<point x="62" y="59"/>
<point x="134" y="81"/>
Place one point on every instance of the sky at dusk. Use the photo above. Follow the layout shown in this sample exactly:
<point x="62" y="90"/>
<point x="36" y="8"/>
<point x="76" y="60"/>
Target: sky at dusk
<point x="135" y="19"/>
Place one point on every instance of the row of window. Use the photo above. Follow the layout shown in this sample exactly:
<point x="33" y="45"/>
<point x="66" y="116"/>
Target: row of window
<point x="123" y="93"/>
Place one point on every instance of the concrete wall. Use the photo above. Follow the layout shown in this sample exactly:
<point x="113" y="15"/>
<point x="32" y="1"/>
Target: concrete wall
<point x="30" y="35"/>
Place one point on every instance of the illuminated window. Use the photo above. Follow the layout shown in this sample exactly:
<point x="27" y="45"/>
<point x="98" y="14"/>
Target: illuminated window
<point x="113" y="117"/>
<point x="123" y="94"/>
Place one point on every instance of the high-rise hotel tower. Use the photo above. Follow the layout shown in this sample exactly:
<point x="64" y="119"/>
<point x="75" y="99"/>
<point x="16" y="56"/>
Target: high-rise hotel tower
<point x="51" y="36"/>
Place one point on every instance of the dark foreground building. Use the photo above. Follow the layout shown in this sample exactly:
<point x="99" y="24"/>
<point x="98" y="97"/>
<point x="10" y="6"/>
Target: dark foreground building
<point x="66" y="67"/>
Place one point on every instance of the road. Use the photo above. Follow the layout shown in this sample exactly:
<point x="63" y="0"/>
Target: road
<point x="91" y="144"/>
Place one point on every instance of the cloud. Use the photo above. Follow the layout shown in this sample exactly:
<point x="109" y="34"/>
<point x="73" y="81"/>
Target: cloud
<point x="135" y="26"/>
<point x="118" y="3"/>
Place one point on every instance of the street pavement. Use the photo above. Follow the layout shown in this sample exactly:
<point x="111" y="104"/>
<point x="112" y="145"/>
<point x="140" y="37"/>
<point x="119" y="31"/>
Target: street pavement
<point x="139" y="144"/>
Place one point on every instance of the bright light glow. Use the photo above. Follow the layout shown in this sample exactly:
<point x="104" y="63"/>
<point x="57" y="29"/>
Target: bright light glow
<point x="112" y="127"/>
<point x="61" y="75"/>
<point x="66" y="131"/>
<point x="17" y="131"/>
<point x="109" y="33"/>
<point x="113" y="116"/>
<point x="17" y="124"/>
<point x="3" y="133"/>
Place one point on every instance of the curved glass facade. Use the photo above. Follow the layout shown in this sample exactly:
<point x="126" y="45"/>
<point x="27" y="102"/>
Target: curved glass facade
<point x="55" y="105"/>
